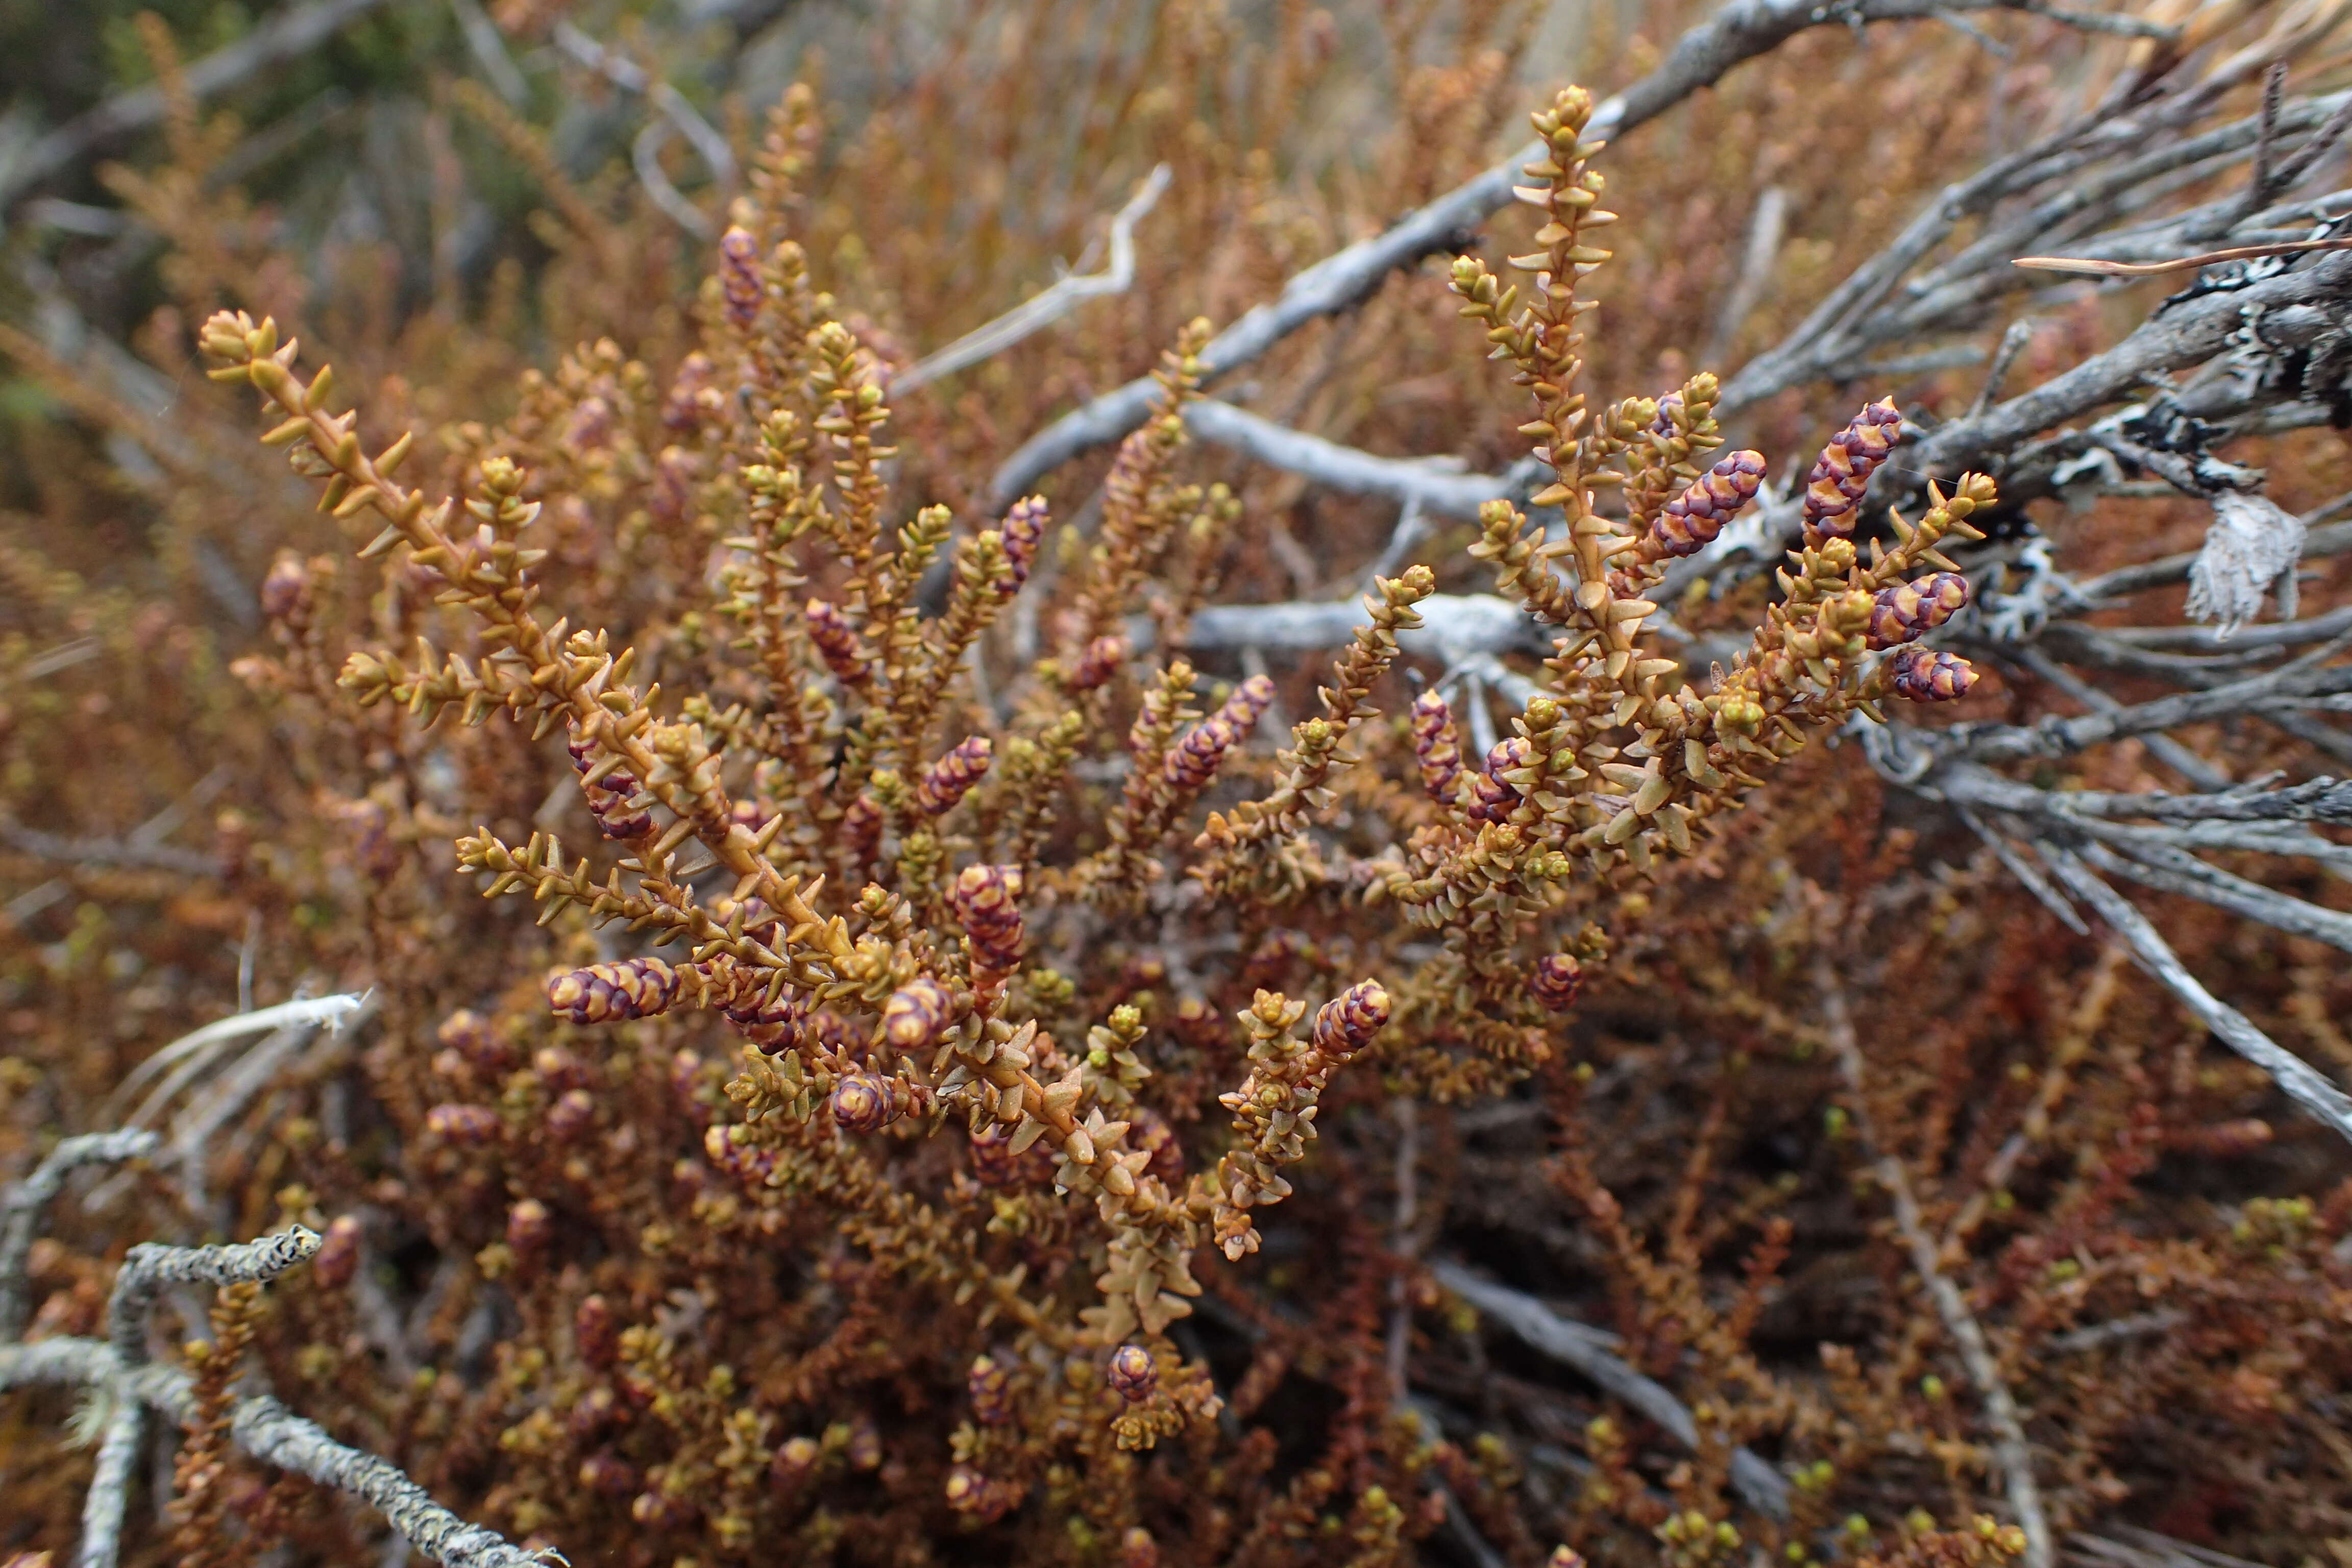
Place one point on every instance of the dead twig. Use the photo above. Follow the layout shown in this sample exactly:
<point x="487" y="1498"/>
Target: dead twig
<point x="21" y="1207"/>
<point x="1592" y="1352"/>
<point x="2295" y="1078"/>
<point x="675" y="114"/>
<point x="1738" y="33"/>
<point x="2185" y="263"/>
<point x="126" y="1387"/>
<point x="1034" y="315"/>
<point x="1411" y="481"/>
<point x="2011" y="1450"/>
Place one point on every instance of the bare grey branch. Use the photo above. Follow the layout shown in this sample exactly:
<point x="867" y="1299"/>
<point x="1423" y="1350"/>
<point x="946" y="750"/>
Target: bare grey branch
<point x="1592" y="1352"/>
<point x="267" y="1430"/>
<point x="676" y="113"/>
<point x="2175" y="871"/>
<point x="22" y="1205"/>
<point x="1738" y="32"/>
<point x="151" y="1265"/>
<point x="2295" y="1076"/>
<point x="1417" y="482"/>
<point x="1035" y="314"/>
<point x="1453" y="626"/>
<point x="110" y="1486"/>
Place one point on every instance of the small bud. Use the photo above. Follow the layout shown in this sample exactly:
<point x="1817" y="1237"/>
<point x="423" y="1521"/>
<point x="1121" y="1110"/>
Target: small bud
<point x="529" y="1226"/>
<point x="867" y="1102"/>
<point x="915" y="1013"/>
<point x="970" y="1492"/>
<point x="1492" y="800"/>
<point x="1835" y="487"/>
<point x="1099" y="663"/>
<point x="472" y="1125"/>
<point x="338" y="1258"/>
<point x="1022" y="529"/>
<point x="613" y="993"/>
<point x="1192" y="763"/>
<point x="950" y="778"/>
<point x="1909" y="611"/>
<point x="1930" y="675"/>
<point x="1346" y="1024"/>
<point x="1436" y="748"/>
<point x="861" y="829"/>
<point x="739" y="277"/>
<point x="572" y="1114"/>
<point x="993" y="1163"/>
<point x="1133" y="1373"/>
<point x="1557" y="979"/>
<point x="983" y="898"/>
<point x="557" y="1068"/>
<point x="609" y="1475"/>
<point x="286" y="593"/>
<point x="594" y="1332"/>
<point x="991" y="1387"/>
<point x="590" y="428"/>
<point x="596" y="1411"/>
<point x="836" y="640"/>
<point x="468" y="1034"/>
<point x="609" y="796"/>
<point x="683" y="409"/>
<point x="796" y="1460"/>
<point x="1741" y="714"/>
<point x="1693" y="519"/>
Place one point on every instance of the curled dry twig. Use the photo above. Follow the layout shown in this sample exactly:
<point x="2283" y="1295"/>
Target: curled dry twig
<point x="1035" y="314"/>
<point x="675" y="114"/>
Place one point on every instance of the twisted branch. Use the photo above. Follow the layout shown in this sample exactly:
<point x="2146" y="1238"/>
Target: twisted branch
<point x="129" y="1386"/>
<point x="1034" y="315"/>
<point x="22" y="1205"/>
